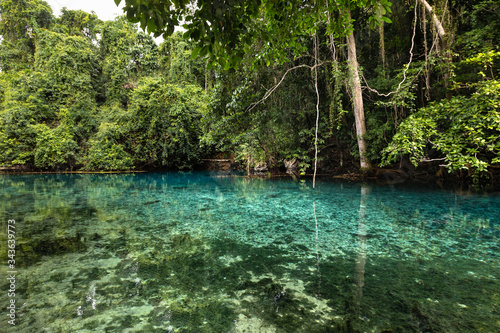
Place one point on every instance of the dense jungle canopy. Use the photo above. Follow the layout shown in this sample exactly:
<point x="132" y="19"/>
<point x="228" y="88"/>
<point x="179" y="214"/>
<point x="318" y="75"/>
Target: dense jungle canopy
<point x="363" y="83"/>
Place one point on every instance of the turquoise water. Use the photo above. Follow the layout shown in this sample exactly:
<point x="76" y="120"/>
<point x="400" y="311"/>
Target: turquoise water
<point x="203" y="252"/>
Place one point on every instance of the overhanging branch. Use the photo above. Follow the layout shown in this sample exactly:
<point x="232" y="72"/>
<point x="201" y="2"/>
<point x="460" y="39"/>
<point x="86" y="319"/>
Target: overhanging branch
<point x="437" y="23"/>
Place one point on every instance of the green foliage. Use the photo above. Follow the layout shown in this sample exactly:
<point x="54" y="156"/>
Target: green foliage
<point x="281" y="127"/>
<point x="117" y="39"/>
<point x="50" y="116"/>
<point x="389" y="112"/>
<point x="23" y="106"/>
<point x="10" y="56"/>
<point x="47" y="110"/>
<point x="165" y="128"/>
<point x="304" y="159"/>
<point x="208" y="23"/>
<point x="68" y="62"/>
<point x="335" y="78"/>
<point x="464" y="131"/>
<point x="20" y="19"/>
<point x="106" y="152"/>
<point x="79" y="23"/>
<point x="479" y="27"/>
<point x="144" y="55"/>
<point x="9" y="149"/>
<point x="67" y="65"/>
<point x="55" y="147"/>
<point x="227" y="30"/>
<point x="248" y="153"/>
<point x="78" y="92"/>
<point x="487" y="61"/>
<point x="127" y="55"/>
<point x="177" y="63"/>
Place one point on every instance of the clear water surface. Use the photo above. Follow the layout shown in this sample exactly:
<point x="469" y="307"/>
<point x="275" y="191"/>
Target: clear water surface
<point x="203" y="252"/>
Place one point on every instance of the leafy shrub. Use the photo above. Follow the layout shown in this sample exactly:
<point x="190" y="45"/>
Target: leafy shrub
<point x="165" y="129"/>
<point x="464" y="131"/>
<point x="106" y="152"/>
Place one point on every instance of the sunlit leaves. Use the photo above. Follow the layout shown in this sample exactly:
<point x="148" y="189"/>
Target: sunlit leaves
<point x="21" y="17"/>
<point x="465" y="131"/>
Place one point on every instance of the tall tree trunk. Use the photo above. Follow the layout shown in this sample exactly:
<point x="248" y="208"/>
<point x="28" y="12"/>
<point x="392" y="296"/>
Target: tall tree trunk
<point x="357" y="98"/>
<point x="381" y="41"/>
<point x="437" y="23"/>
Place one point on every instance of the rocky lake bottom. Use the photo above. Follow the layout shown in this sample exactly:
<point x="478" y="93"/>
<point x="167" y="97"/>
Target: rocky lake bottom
<point x="207" y="252"/>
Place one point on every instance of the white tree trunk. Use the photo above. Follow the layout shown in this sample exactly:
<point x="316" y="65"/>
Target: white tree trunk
<point x="357" y="99"/>
<point x="437" y="23"/>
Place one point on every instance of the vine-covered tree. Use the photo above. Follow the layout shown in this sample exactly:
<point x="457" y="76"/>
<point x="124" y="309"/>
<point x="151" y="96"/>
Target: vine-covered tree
<point x="258" y="80"/>
<point x="227" y="31"/>
<point x="65" y="104"/>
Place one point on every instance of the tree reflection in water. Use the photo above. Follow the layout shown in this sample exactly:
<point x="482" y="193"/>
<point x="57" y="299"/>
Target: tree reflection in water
<point x="362" y="246"/>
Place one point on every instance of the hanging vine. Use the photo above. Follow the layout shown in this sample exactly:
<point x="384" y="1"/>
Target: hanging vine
<point x="316" y="51"/>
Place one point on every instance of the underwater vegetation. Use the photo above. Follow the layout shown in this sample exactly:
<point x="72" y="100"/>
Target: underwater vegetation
<point x="196" y="252"/>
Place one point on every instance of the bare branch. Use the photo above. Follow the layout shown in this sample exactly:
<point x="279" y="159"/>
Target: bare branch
<point x="270" y="91"/>
<point x="433" y="159"/>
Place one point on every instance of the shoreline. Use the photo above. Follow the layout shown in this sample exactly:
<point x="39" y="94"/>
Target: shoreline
<point x="461" y="185"/>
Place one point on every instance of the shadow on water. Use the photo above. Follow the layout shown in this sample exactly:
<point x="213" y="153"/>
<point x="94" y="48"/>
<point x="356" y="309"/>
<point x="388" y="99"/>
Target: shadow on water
<point x="199" y="253"/>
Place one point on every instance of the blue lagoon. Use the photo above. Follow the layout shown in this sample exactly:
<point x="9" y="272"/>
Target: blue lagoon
<point x="206" y="252"/>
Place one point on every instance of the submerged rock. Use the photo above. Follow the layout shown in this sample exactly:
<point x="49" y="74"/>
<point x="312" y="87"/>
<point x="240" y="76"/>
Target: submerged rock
<point x="391" y="176"/>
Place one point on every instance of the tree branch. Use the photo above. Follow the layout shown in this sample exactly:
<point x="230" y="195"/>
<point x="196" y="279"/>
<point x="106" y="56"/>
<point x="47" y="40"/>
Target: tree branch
<point x="437" y="23"/>
<point x="433" y="159"/>
<point x="270" y="91"/>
